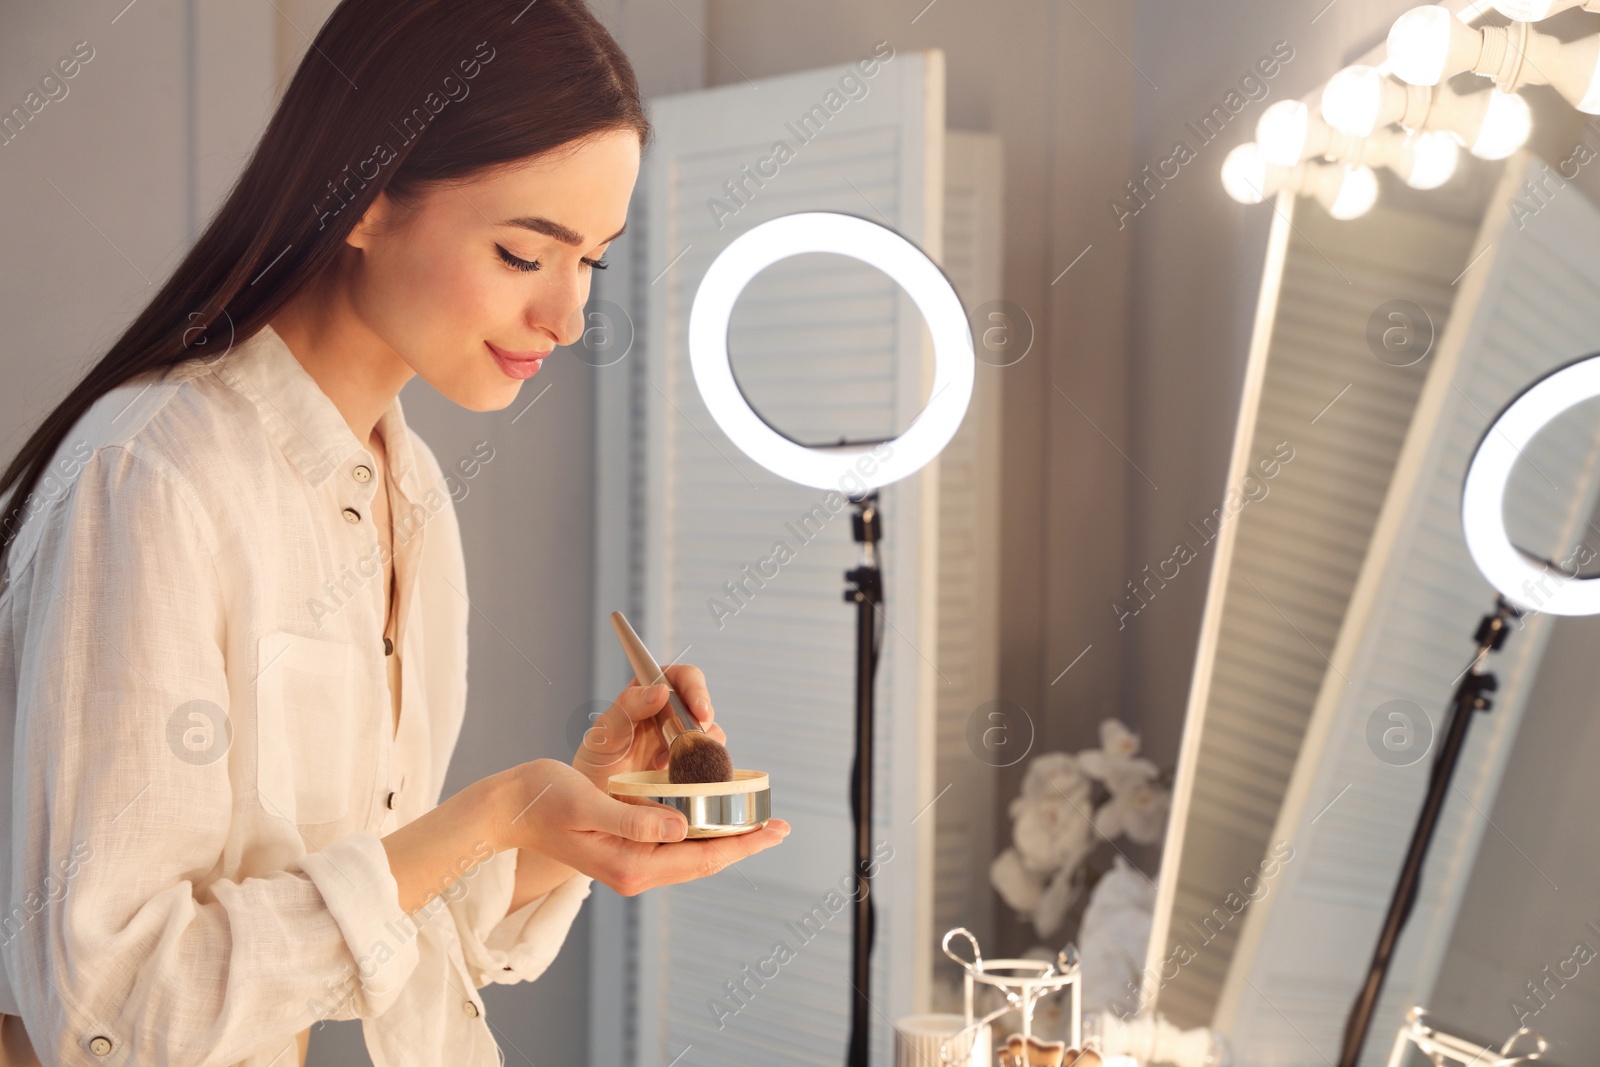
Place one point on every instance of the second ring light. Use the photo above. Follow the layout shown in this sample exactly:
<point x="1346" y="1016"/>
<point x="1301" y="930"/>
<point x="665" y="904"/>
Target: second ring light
<point x="1483" y="496"/>
<point x="847" y="235"/>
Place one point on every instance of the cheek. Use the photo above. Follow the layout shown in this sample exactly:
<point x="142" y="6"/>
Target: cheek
<point x="435" y="305"/>
<point x="472" y="303"/>
<point x="467" y="301"/>
<point x="446" y="286"/>
<point x="432" y="298"/>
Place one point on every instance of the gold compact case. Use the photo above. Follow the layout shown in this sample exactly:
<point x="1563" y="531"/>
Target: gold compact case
<point x="714" y="809"/>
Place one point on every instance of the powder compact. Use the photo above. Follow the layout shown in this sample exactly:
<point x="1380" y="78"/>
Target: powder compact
<point x="714" y="809"/>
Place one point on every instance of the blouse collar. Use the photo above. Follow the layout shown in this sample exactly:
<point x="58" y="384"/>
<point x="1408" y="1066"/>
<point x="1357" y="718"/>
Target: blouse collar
<point x="303" y="419"/>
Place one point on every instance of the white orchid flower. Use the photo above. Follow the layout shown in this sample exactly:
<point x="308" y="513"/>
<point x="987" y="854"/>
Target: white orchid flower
<point x="1017" y="886"/>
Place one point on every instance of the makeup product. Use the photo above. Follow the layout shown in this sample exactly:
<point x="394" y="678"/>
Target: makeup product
<point x="739" y="803"/>
<point x="693" y="756"/>
<point x="713" y="809"/>
<point x="1019" y="1051"/>
<point x="938" y="1040"/>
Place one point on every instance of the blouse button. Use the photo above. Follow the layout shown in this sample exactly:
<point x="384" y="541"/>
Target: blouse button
<point x="352" y="515"/>
<point x="388" y="647"/>
<point x="363" y="473"/>
<point x="390" y="803"/>
<point x="100" y="1046"/>
<point x="469" y="1009"/>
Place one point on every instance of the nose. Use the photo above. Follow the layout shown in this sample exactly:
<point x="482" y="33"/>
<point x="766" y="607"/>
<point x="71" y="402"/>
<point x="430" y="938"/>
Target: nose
<point x="559" y="309"/>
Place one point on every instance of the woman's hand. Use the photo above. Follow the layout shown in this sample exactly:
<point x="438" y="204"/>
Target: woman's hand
<point x="627" y="738"/>
<point x="554" y="809"/>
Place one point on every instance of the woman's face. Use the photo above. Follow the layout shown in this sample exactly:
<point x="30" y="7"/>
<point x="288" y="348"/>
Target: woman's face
<point x="497" y="268"/>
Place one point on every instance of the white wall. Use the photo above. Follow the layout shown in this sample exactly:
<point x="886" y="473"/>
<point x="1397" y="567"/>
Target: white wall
<point x="96" y="200"/>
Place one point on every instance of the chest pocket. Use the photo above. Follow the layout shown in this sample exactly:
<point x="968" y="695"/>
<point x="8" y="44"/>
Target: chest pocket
<point x="307" y="713"/>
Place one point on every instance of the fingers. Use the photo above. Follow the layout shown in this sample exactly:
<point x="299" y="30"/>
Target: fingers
<point x="763" y="839"/>
<point x="688" y="860"/>
<point x="641" y="820"/>
<point x="632" y="868"/>
<point x="618" y="730"/>
<point x="640" y="702"/>
<point x="690" y="682"/>
<point x="609" y="737"/>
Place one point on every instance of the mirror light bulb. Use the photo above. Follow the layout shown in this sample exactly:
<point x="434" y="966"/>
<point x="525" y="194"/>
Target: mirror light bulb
<point x="1532" y="10"/>
<point x="1433" y="157"/>
<point x="1245" y="175"/>
<point x="1506" y="126"/>
<point x="1419" y="44"/>
<point x="1353" y="195"/>
<point x="1282" y="130"/>
<point x="1351" y="100"/>
<point x="1357" y="193"/>
<point x="1584" y="57"/>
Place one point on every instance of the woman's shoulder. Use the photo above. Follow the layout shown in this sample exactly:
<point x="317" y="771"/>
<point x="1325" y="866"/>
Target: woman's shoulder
<point x="177" y="426"/>
<point x="181" y="420"/>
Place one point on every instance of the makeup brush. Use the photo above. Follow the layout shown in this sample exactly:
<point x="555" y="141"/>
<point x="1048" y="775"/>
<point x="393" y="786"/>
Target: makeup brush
<point x="693" y="756"/>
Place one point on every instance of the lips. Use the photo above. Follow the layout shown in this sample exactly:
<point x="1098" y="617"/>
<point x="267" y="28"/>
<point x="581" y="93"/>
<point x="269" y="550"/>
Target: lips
<point x="512" y="367"/>
<point x="506" y="353"/>
<point x="516" y="365"/>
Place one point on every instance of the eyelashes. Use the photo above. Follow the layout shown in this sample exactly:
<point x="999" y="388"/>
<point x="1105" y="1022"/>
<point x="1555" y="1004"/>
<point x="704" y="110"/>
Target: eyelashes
<point x="516" y="263"/>
<point x="525" y="266"/>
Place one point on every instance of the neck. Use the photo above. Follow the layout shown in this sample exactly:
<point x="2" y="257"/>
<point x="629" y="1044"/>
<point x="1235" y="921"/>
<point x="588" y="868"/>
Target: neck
<point x="379" y="452"/>
<point x="351" y="364"/>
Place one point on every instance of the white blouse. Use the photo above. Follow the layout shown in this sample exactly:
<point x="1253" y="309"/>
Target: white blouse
<point x="199" y="748"/>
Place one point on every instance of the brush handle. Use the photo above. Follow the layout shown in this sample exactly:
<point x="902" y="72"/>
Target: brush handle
<point x="673" y="719"/>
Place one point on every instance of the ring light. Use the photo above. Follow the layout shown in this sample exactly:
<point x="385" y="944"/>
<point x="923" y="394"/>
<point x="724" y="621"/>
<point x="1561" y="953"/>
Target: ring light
<point x="1483" y="496"/>
<point x="848" y="235"/>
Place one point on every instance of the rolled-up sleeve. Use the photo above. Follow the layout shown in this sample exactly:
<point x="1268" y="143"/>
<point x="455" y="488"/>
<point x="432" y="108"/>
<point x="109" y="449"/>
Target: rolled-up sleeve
<point x="520" y="946"/>
<point x="122" y="799"/>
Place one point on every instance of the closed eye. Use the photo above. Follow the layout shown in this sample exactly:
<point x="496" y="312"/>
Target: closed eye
<point x="517" y="263"/>
<point x="514" y="262"/>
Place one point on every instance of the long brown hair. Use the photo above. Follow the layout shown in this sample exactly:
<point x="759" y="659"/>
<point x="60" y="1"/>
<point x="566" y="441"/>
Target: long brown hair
<point x="393" y="95"/>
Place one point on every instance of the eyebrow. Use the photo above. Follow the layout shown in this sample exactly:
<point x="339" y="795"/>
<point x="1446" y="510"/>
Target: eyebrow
<point x="564" y="234"/>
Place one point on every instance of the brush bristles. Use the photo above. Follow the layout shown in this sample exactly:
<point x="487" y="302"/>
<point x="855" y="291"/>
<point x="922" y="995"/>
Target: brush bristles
<point x="695" y="758"/>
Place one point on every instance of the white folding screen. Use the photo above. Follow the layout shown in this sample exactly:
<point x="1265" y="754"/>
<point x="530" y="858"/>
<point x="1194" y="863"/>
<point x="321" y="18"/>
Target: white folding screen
<point x="824" y="346"/>
<point x="969" y="557"/>
<point x="1527" y="306"/>
<point x="1328" y="419"/>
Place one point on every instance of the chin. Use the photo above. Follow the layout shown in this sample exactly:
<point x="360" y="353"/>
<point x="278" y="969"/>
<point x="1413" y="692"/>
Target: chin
<point x="496" y="399"/>
<point x="482" y="397"/>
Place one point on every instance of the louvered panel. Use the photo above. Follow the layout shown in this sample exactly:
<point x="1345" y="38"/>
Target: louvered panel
<point x="1409" y="636"/>
<point x="969" y="578"/>
<point x="824" y="347"/>
<point x="741" y="993"/>
<point x="1298" y="549"/>
<point x="1278" y="1039"/>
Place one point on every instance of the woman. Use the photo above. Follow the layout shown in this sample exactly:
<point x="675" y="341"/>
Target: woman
<point x="234" y="608"/>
